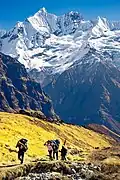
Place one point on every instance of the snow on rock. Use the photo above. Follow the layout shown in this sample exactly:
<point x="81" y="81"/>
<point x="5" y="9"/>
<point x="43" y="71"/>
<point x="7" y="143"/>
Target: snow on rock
<point x="55" y="43"/>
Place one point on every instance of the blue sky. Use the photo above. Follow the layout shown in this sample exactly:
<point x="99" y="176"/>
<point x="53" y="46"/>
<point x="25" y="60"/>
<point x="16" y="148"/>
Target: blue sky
<point x="12" y="11"/>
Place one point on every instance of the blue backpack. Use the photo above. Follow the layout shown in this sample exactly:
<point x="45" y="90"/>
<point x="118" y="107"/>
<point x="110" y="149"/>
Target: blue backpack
<point x="56" y="144"/>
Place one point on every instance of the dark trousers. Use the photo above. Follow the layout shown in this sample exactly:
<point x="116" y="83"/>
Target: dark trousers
<point x="63" y="156"/>
<point x="21" y="156"/>
<point x="55" y="155"/>
<point x="50" y="154"/>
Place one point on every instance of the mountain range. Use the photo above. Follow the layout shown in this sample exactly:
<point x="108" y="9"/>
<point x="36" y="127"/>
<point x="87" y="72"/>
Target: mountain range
<point x="77" y="61"/>
<point x="48" y="44"/>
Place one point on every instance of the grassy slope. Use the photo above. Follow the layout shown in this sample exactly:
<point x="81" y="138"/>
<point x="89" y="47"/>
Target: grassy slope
<point x="104" y="130"/>
<point x="15" y="126"/>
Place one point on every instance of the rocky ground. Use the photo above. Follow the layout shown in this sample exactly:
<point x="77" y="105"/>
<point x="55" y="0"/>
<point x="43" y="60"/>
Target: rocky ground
<point x="61" y="171"/>
<point x="46" y="176"/>
<point x="74" y="171"/>
<point x="68" y="171"/>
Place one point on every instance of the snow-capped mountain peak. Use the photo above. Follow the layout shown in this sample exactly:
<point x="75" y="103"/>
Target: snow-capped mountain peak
<point x="2" y="32"/>
<point x="103" y="23"/>
<point x="101" y="27"/>
<point x="42" y="10"/>
<point x="55" y="43"/>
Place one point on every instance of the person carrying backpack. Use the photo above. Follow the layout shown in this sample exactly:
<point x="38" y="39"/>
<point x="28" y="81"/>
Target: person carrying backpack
<point x="63" y="152"/>
<point x="50" y="148"/>
<point x="55" y="145"/>
<point x="22" y="145"/>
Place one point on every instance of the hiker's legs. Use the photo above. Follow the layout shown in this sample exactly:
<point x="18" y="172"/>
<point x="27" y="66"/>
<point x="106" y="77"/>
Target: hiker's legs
<point x="65" y="156"/>
<point x="50" y="154"/>
<point x="62" y="157"/>
<point x="57" y="155"/>
<point x="53" y="154"/>
<point x="22" y="157"/>
<point x="19" y="155"/>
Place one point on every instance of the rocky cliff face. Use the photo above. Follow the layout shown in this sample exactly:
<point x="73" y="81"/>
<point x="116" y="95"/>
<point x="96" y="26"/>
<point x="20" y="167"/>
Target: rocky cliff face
<point x="88" y="94"/>
<point x="18" y="91"/>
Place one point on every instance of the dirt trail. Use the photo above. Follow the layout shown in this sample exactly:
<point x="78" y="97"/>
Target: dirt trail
<point x="8" y="166"/>
<point x="13" y="171"/>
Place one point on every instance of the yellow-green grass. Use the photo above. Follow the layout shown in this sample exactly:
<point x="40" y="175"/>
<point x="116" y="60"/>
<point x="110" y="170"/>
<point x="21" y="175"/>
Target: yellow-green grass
<point x="16" y="126"/>
<point x="112" y="161"/>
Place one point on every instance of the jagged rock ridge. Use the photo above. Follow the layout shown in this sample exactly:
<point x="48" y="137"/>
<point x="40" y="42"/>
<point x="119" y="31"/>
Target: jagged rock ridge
<point x="18" y="91"/>
<point x="48" y="44"/>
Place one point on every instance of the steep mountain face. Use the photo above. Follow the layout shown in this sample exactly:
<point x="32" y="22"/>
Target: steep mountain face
<point x="18" y="91"/>
<point x="2" y="32"/>
<point x="88" y="92"/>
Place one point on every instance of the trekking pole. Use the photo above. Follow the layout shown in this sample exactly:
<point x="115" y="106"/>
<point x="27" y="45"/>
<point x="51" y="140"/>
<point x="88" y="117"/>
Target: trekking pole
<point x="64" y="142"/>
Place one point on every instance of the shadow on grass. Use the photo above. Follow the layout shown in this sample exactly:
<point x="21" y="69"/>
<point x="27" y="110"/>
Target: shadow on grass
<point x="7" y="166"/>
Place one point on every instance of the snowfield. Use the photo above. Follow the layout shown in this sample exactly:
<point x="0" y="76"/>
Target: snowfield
<point x="51" y="44"/>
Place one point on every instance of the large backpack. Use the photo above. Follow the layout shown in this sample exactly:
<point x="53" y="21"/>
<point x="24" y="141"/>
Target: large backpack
<point x="56" y="144"/>
<point x="25" y="148"/>
<point x="22" y="143"/>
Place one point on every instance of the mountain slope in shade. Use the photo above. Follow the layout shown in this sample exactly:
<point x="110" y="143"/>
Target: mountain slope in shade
<point x="18" y="91"/>
<point x="88" y="93"/>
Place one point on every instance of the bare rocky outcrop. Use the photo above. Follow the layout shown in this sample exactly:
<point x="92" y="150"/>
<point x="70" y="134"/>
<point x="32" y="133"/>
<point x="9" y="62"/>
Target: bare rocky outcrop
<point x="61" y="170"/>
<point x="19" y="92"/>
